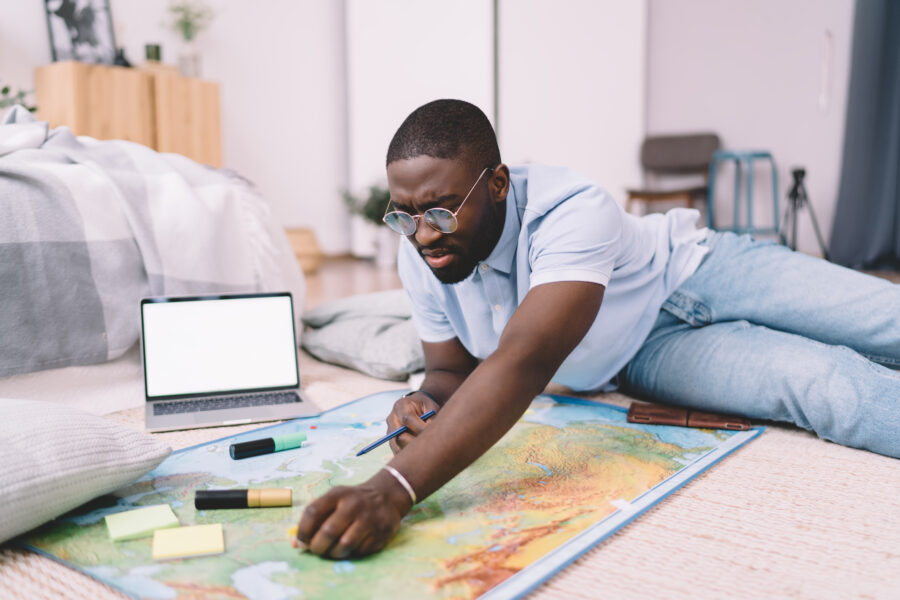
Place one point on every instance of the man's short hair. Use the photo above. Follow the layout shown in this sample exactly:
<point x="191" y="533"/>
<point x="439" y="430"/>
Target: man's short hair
<point x="451" y="129"/>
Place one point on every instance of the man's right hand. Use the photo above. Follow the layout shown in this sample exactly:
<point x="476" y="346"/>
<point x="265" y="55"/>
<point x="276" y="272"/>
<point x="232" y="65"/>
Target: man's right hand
<point x="407" y="411"/>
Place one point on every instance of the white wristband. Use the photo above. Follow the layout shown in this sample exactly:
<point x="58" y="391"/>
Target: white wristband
<point x="402" y="480"/>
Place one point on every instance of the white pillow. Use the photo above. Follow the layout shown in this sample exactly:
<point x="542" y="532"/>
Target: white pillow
<point x="55" y="458"/>
<point x="372" y="333"/>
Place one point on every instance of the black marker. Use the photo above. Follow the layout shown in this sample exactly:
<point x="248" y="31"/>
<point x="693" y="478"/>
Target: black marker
<point x="266" y="445"/>
<point x="261" y="498"/>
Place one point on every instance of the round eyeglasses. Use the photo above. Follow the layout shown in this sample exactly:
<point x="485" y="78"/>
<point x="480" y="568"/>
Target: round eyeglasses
<point x="440" y="219"/>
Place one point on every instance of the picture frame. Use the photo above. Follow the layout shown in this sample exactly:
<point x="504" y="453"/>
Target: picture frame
<point x="81" y="30"/>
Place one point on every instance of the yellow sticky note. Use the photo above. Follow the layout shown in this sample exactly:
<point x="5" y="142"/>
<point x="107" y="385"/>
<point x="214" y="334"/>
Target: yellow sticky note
<point x="141" y="522"/>
<point x="195" y="540"/>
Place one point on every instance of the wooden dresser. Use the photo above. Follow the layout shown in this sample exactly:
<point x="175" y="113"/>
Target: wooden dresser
<point x="155" y="107"/>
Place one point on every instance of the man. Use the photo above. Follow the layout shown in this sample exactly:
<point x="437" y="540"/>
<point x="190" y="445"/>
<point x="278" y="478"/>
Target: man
<point x="519" y="276"/>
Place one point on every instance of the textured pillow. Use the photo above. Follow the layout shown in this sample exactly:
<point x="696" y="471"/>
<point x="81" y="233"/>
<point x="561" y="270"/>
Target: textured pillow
<point x="55" y="458"/>
<point x="372" y="333"/>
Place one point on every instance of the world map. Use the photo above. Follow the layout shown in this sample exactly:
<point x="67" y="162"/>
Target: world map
<point x="566" y="476"/>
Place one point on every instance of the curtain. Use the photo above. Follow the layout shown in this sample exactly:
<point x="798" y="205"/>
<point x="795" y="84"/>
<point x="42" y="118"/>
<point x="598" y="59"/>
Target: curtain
<point x="866" y="231"/>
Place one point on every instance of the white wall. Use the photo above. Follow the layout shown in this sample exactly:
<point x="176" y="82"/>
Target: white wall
<point x="572" y="86"/>
<point x="402" y="54"/>
<point x="754" y="72"/>
<point x="281" y="68"/>
<point x="23" y="43"/>
<point x="571" y="82"/>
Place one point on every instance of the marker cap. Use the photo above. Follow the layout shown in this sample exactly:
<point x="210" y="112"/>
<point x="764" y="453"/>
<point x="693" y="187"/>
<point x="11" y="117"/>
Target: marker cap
<point x="269" y="497"/>
<point x="289" y="441"/>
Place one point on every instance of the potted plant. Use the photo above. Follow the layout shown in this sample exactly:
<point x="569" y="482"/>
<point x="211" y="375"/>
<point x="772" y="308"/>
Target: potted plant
<point x="370" y="208"/>
<point x="10" y="98"/>
<point x="188" y="18"/>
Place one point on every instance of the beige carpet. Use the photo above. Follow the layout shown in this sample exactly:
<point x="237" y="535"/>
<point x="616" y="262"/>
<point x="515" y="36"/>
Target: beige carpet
<point x="786" y="516"/>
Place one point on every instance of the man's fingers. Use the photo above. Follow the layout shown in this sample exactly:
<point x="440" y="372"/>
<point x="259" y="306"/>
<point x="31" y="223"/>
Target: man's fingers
<point x="400" y="442"/>
<point x="351" y="521"/>
<point x="414" y="423"/>
<point x="401" y="407"/>
<point x="314" y="515"/>
<point x="408" y="412"/>
<point x="350" y="540"/>
<point x="369" y="545"/>
<point x="377" y="541"/>
<point x="403" y="439"/>
<point x="408" y="407"/>
<point x="393" y="420"/>
<point x="329" y="532"/>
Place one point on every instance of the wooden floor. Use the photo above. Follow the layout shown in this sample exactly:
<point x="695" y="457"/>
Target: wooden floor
<point x="342" y="276"/>
<point x="889" y="275"/>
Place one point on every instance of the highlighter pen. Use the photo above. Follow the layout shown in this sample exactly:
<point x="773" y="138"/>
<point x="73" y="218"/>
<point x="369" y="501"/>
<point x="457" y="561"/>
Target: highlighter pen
<point x="392" y="435"/>
<point x="266" y="445"/>
<point x="261" y="498"/>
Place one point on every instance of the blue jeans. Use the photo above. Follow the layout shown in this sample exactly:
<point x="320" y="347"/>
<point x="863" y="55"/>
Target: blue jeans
<point x="764" y="332"/>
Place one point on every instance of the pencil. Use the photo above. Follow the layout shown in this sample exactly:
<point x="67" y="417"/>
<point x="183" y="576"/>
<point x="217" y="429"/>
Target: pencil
<point x="392" y="435"/>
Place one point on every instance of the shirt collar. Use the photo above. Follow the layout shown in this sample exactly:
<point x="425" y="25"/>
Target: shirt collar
<point x="504" y="253"/>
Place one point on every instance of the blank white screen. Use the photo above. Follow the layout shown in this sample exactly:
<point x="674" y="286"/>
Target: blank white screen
<point x="205" y="346"/>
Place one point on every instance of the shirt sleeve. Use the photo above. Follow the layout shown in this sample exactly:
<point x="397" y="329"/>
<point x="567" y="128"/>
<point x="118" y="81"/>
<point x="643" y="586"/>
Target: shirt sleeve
<point x="430" y="321"/>
<point x="578" y="240"/>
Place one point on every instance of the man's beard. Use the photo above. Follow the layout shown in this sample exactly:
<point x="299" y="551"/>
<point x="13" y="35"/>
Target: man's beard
<point x="456" y="272"/>
<point x="486" y="237"/>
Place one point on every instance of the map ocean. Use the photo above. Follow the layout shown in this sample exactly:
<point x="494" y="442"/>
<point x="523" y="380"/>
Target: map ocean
<point x="566" y="476"/>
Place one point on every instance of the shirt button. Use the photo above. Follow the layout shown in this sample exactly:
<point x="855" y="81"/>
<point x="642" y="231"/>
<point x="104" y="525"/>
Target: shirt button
<point x="484" y="266"/>
<point x="496" y="307"/>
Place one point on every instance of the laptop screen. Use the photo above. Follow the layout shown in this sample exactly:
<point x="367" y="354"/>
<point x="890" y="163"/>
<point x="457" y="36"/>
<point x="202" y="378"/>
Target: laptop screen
<point x="195" y="346"/>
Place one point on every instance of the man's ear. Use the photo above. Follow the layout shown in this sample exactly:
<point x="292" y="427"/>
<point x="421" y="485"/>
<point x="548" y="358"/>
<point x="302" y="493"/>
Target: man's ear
<point x="499" y="184"/>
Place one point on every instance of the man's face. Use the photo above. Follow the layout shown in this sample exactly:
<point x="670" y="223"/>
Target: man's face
<point x="424" y="182"/>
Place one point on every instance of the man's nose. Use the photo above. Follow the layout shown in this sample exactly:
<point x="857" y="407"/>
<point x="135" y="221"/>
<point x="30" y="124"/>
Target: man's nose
<point x="425" y="233"/>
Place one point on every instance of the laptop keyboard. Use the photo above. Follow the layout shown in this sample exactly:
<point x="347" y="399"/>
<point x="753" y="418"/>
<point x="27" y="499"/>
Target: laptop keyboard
<point x="224" y="403"/>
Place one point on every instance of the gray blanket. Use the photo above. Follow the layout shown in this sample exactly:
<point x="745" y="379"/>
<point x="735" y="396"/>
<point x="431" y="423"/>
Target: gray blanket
<point x="88" y="228"/>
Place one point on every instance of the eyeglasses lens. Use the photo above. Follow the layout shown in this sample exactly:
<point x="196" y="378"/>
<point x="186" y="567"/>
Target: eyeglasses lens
<point x="441" y="219"/>
<point x="401" y="222"/>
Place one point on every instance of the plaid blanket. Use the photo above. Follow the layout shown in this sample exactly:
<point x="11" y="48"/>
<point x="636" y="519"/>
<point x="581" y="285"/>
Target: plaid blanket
<point x="88" y="228"/>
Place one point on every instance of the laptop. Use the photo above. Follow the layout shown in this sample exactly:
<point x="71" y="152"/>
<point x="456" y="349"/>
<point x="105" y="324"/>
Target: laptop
<point x="220" y="360"/>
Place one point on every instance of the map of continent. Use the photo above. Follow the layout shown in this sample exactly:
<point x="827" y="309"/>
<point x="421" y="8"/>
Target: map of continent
<point x="567" y="475"/>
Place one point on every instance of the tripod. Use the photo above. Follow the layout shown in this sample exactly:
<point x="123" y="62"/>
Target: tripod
<point x="797" y="199"/>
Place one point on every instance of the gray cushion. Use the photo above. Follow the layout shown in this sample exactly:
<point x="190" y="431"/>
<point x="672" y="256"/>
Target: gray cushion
<point x="56" y="458"/>
<point x="372" y="333"/>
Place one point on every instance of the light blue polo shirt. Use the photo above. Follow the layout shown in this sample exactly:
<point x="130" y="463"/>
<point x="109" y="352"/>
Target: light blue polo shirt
<point x="562" y="227"/>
